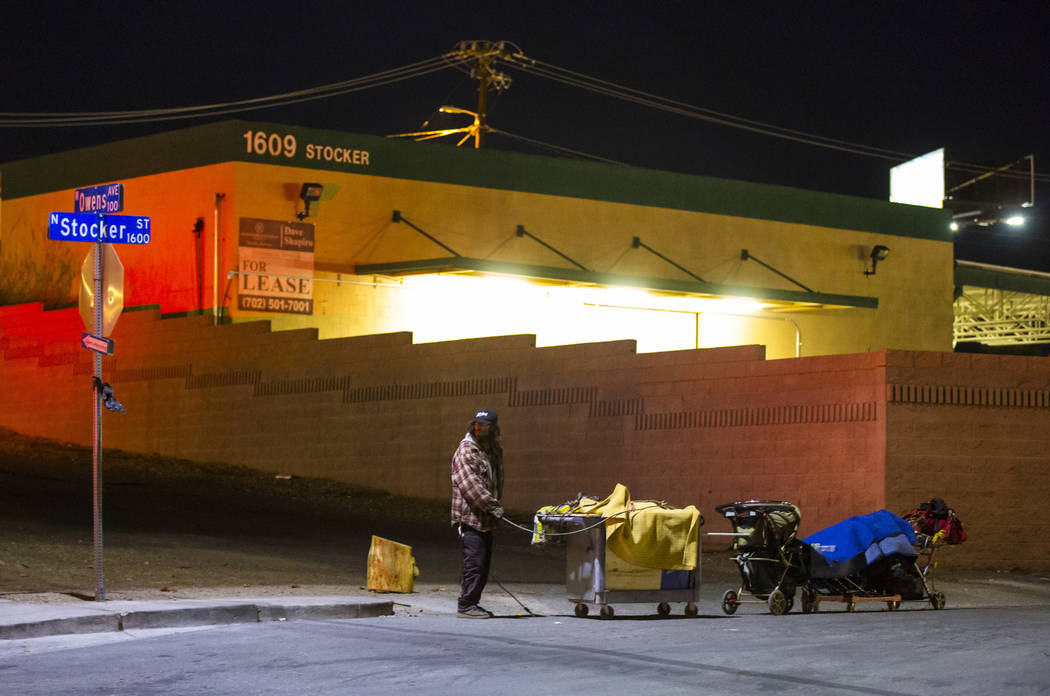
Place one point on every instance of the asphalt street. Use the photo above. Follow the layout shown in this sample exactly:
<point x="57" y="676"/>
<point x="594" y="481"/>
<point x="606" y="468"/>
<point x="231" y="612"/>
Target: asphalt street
<point x="912" y="651"/>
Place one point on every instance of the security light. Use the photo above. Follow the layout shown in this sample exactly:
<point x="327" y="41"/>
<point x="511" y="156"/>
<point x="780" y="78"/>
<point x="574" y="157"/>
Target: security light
<point x="309" y="193"/>
<point x="878" y="253"/>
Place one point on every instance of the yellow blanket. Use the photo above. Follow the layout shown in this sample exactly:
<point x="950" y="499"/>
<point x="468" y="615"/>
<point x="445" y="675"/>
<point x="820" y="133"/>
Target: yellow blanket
<point x="647" y="533"/>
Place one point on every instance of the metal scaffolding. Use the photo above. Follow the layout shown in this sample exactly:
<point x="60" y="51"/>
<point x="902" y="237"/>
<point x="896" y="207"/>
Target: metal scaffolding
<point x="1001" y="317"/>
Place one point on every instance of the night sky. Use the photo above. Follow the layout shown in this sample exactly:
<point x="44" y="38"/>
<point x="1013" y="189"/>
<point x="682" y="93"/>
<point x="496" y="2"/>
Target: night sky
<point x="903" y="77"/>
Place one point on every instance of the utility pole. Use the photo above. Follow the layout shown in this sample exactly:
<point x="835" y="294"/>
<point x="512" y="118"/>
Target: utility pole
<point x="484" y="54"/>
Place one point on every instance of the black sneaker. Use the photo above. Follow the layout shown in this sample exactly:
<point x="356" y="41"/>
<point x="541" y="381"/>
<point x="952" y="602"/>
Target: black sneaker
<point x="474" y="613"/>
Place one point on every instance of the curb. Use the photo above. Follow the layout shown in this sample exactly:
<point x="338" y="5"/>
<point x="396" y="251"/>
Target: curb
<point x="125" y="616"/>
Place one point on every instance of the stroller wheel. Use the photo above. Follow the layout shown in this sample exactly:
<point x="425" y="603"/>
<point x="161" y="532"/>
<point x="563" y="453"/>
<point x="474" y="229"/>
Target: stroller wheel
<point x="730" y="602"/>
<point x="778" y="603"/>
<point x="893" y="605"/>
<point x="937" y="600"/>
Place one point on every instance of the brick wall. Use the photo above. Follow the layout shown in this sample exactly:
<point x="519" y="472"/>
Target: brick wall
<point x="974" y="430"/>
<point x="837" y="435"/>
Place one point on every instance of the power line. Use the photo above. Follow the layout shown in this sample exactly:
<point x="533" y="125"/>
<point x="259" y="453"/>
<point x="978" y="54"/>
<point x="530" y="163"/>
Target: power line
<point x="52" y="120"/>
<point x="460" y="58"/>
<point x="555" y="148"/>
<point x="629" y="94"/>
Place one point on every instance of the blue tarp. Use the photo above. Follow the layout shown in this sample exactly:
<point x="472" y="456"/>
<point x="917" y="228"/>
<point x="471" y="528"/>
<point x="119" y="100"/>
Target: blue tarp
<point x="848" y="546"/>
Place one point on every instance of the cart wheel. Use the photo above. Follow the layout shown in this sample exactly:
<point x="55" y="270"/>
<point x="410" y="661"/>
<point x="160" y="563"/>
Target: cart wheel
<point x="663" y="609"/>
<point x="893" y="606"/>
<point x="730" y="602"/>
<point x="606" y="611"/>
<point x="691" y="609"/>
<point x="809" y="601"/>
<point x="581" y="610"/>
<point x="850" y="605"/>
<point x="937" y="600"/>
<point x="778" y="603"/>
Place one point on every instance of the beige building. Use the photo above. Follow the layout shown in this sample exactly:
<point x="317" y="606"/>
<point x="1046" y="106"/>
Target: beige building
<point x="452" y="243"/>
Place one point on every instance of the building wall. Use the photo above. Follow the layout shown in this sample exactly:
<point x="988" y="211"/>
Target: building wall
<point x="355" y="227"/>
<point x="37" y="269"/>
<point x="974" y="430"/>
<point x="838" y="435"/>
<point x="474" y="202"/>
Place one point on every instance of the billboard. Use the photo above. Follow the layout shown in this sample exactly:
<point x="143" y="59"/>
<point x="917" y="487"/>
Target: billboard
<point x="919" y="181"/>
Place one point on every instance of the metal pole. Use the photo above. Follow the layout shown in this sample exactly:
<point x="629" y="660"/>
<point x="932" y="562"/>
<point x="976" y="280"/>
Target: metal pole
<point x="216" y="240"/>
<point x="100" y="593"/>
<point x="483" y="93"/>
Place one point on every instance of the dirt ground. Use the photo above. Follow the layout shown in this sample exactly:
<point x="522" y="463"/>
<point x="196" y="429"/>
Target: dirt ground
<point x="169" y="525"/>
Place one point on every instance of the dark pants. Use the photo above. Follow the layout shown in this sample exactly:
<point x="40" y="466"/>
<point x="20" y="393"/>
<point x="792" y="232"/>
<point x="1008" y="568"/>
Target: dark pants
<point x="477" y="557"/>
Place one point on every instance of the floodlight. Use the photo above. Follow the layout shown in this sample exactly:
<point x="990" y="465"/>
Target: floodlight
<point x="309" y="193"/>
<point x="878" y="253"/>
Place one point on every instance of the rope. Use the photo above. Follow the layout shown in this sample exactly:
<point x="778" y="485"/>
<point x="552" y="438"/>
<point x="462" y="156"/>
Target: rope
<point x="600" y="522"/>
<point x="513" y="596"/>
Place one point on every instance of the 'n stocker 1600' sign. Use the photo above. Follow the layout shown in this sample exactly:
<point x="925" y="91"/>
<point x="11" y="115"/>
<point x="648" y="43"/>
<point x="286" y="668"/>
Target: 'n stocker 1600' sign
<point x="276" y="266"/>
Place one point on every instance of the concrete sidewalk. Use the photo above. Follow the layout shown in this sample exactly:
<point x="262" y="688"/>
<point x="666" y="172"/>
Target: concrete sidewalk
<point x="34" y="620"/>
<point x="51" y="616"/>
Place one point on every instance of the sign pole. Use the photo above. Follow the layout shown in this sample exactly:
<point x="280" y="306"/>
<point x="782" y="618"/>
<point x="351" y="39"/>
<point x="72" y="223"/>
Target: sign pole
<point x="88" y="224"/>
<point x="100" y="593"/>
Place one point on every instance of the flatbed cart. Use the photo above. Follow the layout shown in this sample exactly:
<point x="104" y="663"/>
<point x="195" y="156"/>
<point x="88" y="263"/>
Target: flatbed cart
<point x="812" y="598"/>
<point x="587" y="572"/>
<point x="851" y="592"/>
<point x="873" y="558"/>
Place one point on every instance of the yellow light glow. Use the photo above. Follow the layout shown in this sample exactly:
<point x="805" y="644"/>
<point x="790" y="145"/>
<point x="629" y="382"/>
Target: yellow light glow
<point x="449" y="307"/>
<point x="628" y="297"/>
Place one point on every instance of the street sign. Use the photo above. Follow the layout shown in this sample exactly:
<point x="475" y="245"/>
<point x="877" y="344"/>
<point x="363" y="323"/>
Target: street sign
<point x="101" y="282"/>
<point x="83" y="227"/>
<point x="112" y="290"/>
<point x="108" y="198"/>
<point x="99" y="344"/>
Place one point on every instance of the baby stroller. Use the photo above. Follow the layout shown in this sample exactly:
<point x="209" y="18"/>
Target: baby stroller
<point x="867" y="558"/>
<point x="768" y="554"/>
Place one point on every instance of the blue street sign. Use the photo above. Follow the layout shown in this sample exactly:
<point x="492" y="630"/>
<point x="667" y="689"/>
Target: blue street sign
<point x="108" y="198"/>
<point x="83" y="227"/>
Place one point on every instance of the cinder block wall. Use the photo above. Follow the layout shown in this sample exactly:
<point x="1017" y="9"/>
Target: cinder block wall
<point x="837" y="435"/>
<point x="974" y="430"/>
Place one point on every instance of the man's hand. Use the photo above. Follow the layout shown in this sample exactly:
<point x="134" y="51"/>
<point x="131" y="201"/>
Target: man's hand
<point x="497" y="512"/>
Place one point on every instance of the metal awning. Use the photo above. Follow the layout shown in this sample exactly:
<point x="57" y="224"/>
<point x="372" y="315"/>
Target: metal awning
<point x="786" y="300"/>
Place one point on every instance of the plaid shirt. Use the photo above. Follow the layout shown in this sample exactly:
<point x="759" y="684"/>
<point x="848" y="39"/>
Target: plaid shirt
<point x="477" y="480"/>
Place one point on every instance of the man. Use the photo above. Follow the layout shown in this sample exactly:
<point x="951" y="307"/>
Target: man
<point x="477" y="485"/>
